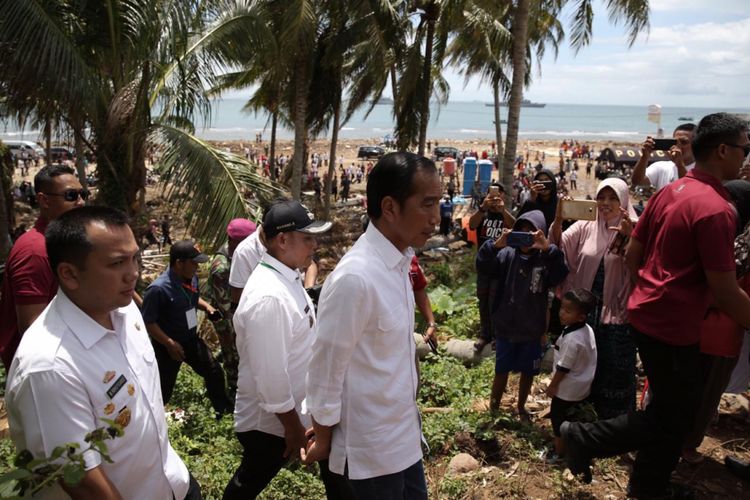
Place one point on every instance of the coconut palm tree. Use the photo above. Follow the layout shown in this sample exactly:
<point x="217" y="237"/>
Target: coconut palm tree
<point x="634" y="14"/>
<point x="137" y="72"/>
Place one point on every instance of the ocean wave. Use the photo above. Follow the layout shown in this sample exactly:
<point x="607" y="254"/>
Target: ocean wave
<point x="476" y="131"/>
<point x="580" y="133"/>
<point x="347" y="129"/>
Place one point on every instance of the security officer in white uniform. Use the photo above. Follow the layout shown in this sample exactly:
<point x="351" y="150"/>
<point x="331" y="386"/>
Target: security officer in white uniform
<point x="88" y="358"/>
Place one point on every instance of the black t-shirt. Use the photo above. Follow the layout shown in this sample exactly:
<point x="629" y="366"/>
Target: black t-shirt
<point x="490" y="228"/>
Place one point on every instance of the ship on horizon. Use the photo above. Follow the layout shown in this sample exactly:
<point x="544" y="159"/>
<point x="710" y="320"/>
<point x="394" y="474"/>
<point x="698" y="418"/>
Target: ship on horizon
<point x="525" y="103"/>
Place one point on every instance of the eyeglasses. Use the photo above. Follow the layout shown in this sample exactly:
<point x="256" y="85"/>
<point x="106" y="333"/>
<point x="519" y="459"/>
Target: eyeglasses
<point x="745" y="148"/>
<point x="72" y="194"/>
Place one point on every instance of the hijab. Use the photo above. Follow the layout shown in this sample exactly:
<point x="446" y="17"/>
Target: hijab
<point x="739" y="190"/>
<point x="586" y="243"/>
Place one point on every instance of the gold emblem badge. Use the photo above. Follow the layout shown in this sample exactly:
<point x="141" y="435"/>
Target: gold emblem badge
<point x="123" y="418"/>
<point x="131" y="389"/>
<point x="108" y="376"/>
<point x="109" y="408"/>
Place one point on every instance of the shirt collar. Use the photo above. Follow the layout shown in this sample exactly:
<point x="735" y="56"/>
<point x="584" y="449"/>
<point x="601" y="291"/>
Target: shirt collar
<point x="706" y="178"/>
<point x="573" y="327"/>
<point x="88" y="331"/>
<point x="275" y="264"/>
<point x="387" y="250"/>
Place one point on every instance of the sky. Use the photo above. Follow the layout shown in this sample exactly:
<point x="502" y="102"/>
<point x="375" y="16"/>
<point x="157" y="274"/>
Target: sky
<point x="697" y="54"/>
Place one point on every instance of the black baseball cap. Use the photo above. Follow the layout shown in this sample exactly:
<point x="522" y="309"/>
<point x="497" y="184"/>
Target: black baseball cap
<point x="291" y="215"/>
<point x="187" y="250"/>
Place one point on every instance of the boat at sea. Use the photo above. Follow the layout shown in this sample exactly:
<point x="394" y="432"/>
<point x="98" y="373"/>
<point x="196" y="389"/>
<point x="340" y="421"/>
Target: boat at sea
<point x="384" y="100"/>
<point x="685" y="118"/>
<point x="525" y="103"/>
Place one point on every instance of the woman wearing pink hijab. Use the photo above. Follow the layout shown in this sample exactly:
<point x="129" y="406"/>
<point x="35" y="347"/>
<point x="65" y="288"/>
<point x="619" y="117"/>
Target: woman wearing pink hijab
<point x="595" y="254"/>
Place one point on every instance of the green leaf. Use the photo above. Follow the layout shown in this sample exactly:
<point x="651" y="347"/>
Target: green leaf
<point x="73" y="474"/>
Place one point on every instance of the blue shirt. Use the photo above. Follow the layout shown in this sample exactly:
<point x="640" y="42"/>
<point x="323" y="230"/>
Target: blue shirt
<point x="168" y="299"/>
<point x="446" y="208"/>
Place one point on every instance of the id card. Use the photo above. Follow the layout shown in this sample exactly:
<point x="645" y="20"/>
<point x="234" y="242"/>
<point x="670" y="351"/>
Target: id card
<point x="192" y="318"/>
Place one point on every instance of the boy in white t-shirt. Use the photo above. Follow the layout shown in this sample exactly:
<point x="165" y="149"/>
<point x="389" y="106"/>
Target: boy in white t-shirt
<point x="574" y="363"/>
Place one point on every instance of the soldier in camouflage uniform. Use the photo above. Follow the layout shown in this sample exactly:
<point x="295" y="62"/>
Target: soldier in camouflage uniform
<point x="220" y="297"/>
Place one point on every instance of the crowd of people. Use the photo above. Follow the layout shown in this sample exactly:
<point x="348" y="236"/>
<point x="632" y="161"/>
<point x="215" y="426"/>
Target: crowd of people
<point x="335" y="380"/>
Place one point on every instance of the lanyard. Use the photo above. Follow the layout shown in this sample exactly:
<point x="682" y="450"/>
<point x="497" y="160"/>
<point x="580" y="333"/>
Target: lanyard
<point x="183" y="286"/>
<point x="269" y="266"/>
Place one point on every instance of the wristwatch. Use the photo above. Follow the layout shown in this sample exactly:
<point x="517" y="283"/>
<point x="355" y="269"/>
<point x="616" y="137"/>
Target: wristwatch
<point x="432" y="325"/>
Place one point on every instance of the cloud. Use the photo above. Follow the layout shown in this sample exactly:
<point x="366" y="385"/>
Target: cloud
<point x="700" y="6"/>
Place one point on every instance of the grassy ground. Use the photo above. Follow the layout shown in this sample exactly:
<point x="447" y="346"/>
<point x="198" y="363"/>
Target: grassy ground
<point x="453" y="399"/>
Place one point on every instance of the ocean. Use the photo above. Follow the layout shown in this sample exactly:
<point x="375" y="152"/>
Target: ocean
<point x="460" y="121"/>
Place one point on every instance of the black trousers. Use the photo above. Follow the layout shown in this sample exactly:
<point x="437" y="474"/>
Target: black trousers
<point x="262" y="459"/>
<point x="198" y="357"/>
<point x="674" y="374"/>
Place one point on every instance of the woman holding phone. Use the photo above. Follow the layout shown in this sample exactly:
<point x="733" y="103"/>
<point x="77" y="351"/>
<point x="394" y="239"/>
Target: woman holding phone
<point x="543" y="196"/>
<point x="595" y="254"/>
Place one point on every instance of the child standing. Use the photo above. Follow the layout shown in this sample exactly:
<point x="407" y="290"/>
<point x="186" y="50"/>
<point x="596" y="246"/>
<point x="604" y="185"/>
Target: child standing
<point x="574" y="363"/>
<point x="525" y="271"/>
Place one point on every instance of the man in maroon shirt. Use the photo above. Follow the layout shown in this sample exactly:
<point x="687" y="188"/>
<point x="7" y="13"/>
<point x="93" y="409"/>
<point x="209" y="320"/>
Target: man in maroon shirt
<point x="681" y="253"/>
<point x="29" y="284"/>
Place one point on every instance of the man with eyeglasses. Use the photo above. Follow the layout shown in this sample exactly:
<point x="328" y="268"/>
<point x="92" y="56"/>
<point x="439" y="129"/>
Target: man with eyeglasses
<point x="29" y="283"/>
<point x="660" y="173"/>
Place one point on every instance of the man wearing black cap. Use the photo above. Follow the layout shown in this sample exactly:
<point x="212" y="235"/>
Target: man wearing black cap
<point x="170" y="313"/>
<point x="275" y="326"/>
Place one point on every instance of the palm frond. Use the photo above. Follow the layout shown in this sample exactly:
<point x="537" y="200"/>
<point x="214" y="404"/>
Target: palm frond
<point x="211" y="185"/>
<point x="633" y="13"/>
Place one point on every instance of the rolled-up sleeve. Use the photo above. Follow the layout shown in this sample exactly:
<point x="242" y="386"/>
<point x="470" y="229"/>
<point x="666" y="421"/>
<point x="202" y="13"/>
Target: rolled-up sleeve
<point x="51" y="408"/>
<point x="268" y="326"/>
<point x="342" y="317"/>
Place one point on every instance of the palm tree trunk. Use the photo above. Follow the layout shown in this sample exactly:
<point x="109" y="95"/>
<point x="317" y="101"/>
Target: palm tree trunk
<point x="48" y="141"/>
<point x="394" y="86"/>
<point x="272" y="148"/>
<point x="520" y="38"/>
<point x="300" y="127"/>
<point x="6" y="204"/>
<point x="77" y="126"/>
<point x="431" y="12"/>
<point x="332" y="159"/>
<point x="498" y="127"/>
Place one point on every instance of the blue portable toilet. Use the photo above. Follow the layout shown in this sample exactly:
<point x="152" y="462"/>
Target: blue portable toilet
<point x="470" y="175"/>
<point x="485" y="175"/>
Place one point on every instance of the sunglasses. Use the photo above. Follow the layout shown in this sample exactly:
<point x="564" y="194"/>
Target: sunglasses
<point x="72" y="194"/>
<point x="745" y="148"/>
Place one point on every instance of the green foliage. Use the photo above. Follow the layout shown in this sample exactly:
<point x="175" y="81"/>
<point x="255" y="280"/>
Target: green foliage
<point x="29" y="476"/>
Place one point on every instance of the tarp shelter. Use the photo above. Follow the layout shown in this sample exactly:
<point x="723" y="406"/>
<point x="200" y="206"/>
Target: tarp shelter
<point x="470" y="174"/>
<point x="485" y="175"/>
<point x="620" y="156"/>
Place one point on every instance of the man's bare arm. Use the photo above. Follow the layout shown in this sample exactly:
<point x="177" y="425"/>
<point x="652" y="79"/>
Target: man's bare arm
<point x="95" y="485"/>
<point x="729" y="297"/>
<point x="634" y="258"/>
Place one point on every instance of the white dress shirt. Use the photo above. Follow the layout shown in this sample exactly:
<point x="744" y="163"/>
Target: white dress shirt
<point x="576" y="352"/>
<point x="245" y="258"/>
<point x="275" y="325"/>
<point x="362" y="377"/>
<point x="69" y="373"/>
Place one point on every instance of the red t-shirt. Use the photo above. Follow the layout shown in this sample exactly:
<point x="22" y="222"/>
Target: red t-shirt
<point x="687" y="228"/>
<point x="720" y="334"/>
<point x="28" y="280"/>
<point x="418" y="281"/>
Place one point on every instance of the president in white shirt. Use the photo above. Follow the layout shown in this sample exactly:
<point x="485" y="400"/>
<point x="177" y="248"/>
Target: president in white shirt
<point x="362" y="380"/>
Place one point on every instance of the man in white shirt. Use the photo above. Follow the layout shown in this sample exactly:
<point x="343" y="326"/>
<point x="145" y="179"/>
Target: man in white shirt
<point x="661" y="173"/>
<point x="275" y="326"/>
<point x="362" y="380"/>
<point x="88" y="358"/>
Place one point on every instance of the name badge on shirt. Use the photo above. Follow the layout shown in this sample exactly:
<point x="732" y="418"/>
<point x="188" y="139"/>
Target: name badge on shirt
<point x="115" y="388"/>
<point x="192" y="318"/>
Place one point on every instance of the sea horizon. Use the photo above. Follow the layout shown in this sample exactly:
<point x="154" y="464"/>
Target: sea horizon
<point x="457" y="120"/>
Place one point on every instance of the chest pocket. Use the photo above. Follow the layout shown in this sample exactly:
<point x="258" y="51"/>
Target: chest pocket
<point x="115" y="400"/>
<point x="391" y="321"/>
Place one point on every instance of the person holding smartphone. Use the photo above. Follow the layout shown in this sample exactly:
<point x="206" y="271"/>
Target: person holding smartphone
<point x="489" y="222"/>
<point x="543" y="196"/>
<point x="661" y="173"/>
